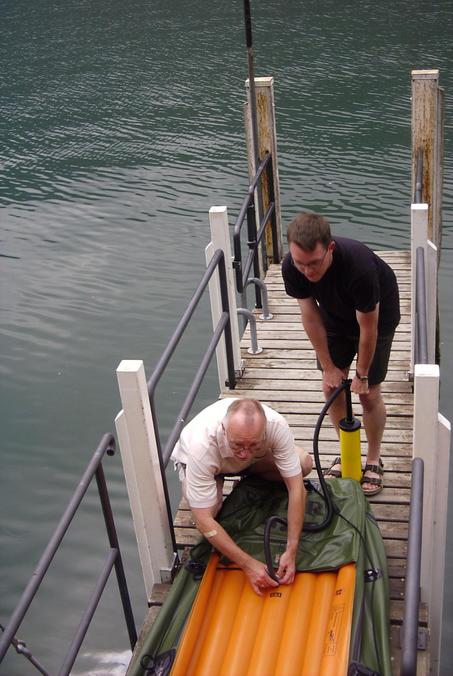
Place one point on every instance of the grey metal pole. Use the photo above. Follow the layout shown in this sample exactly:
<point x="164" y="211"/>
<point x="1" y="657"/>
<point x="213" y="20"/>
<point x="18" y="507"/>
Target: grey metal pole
<point x="412" y="584"/>
<point x="249" y="44"/>
<point x="253" y="115"/>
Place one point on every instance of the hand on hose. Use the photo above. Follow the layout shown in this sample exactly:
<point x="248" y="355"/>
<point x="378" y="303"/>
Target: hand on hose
<point x="258" y="576"/>
<point x="359" y="386"/>
<point x="287" y="568"/>
<point x="333" y="376"/>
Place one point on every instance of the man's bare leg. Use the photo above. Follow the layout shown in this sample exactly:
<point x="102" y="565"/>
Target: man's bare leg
<point x="374" y="417"/>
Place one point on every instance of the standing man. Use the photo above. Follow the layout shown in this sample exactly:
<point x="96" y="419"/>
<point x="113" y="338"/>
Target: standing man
<point x="349" y="303"/>
<point x="228" y="437"/>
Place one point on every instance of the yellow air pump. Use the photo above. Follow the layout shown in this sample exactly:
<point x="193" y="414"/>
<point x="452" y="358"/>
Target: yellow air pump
<point x="351" y="463"/>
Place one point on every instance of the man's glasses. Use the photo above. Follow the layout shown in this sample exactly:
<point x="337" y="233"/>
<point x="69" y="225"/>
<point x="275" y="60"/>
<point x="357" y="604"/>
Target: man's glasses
<point x="311" y="265"/>
<point x="237" y="446"/>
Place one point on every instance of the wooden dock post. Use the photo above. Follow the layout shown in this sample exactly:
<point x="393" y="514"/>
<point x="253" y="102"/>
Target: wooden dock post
<point x="139" y="454"/>
<point x="428" y="135"/>
<point x="267" y="142"/>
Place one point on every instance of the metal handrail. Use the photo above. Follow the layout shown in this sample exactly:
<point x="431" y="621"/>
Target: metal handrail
<point x="223" y="328"/>
<point x="94" y="468"/>
<point x="254" y="236"/>
<point x="418" y="192"/>
<point x="251" y="320"/>
<point x="421" y="326"/>
<point x="413" y="566"/>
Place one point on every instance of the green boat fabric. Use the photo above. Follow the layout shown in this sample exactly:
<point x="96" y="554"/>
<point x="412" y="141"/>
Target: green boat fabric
<point x="352" y="536"/>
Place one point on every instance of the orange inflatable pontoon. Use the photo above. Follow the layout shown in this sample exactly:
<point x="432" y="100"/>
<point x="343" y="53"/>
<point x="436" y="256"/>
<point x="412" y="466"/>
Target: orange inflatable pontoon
<point x="300" y="629"/>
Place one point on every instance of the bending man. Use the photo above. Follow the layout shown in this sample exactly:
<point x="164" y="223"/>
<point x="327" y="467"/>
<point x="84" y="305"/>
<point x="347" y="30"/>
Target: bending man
<point x="228" y="437"/>
<point x="349" y="303"/>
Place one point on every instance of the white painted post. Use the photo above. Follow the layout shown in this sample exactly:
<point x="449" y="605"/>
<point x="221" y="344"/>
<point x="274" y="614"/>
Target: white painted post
<point x="216" y="311"/>
<point x="419" y="237"/>
<point x="139" y="454"/>
<point x="439" y="540"/>
<point x="138" y="518"/>
<point x="425" y="446"/>
<point x="218" y="221"/>
<point x="431" y="267"/>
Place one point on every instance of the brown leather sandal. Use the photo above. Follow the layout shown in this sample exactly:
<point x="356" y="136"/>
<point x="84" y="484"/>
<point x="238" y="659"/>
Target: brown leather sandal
<point x="378" y="482"/>
<point x="333" y="472"/>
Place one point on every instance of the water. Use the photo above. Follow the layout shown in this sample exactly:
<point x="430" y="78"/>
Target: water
<point x="120" y="126"/>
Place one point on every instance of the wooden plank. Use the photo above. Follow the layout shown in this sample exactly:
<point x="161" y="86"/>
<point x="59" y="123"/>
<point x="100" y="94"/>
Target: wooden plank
<point x="397" y="610"/>
<point x="295" y="353"/>
<point x="311" y="378"/>
<point x="312" y="402"/>
<point x="395" y="648"/>
<point x="279" y="350"/>
<point x="397" y="429"/>
<point x="396" y="392"/>
<point x="392" y="462"/>
<point x="293" y="340"/>
<point x="294" y="405"/>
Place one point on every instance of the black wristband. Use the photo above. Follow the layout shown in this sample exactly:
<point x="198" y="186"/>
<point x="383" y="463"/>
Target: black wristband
<point x="364" y="378"/>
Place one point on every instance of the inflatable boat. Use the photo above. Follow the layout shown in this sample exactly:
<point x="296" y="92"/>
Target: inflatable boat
<point x="332" y="620"/>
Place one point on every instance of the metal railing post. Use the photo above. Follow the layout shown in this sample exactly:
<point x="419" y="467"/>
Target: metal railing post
<point x="418" y="193"/>
<point x="421" y="355"/>
<point x="413" y="567"/>
<point x="266" y="315"/>
<point x="118" y="562"/>
<point x="252" y="244"/>
<point x="419" y="237"/>
<point x="227" y="330"/>
<point x="254" y="349"/>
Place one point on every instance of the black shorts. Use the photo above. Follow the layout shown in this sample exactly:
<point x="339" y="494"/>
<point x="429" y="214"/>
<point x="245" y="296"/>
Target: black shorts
<point x="344" y="348"/>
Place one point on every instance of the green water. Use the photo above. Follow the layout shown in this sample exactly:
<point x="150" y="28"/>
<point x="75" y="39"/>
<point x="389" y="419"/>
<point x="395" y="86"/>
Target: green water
<point x="120" y="126"/>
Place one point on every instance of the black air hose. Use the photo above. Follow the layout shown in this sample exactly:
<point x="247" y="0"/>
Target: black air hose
<point x="312" y="527"/>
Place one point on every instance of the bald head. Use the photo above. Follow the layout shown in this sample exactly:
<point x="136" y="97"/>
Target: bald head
<point x="245" y="426"/>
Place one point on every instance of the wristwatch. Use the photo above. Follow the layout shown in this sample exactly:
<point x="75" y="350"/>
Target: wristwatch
<point x="364" y="378"/>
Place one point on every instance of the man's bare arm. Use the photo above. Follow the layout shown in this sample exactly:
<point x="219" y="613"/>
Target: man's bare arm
<point x="219" y="538"/>
<point x="315" y="329"/>
<point x="368" y="323"/>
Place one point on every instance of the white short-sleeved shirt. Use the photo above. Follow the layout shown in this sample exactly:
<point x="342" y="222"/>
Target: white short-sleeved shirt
<point x="204" y="449"/>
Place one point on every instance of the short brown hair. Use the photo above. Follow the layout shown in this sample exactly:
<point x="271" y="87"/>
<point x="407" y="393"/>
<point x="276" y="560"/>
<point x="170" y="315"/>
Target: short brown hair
<point x="306" y="230"/>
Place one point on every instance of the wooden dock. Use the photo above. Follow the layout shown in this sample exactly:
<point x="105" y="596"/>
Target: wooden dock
<point x="284" y="376"/>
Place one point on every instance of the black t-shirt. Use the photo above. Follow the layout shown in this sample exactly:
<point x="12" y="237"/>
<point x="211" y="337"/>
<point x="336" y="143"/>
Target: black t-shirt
<point x="356" y="280"/>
